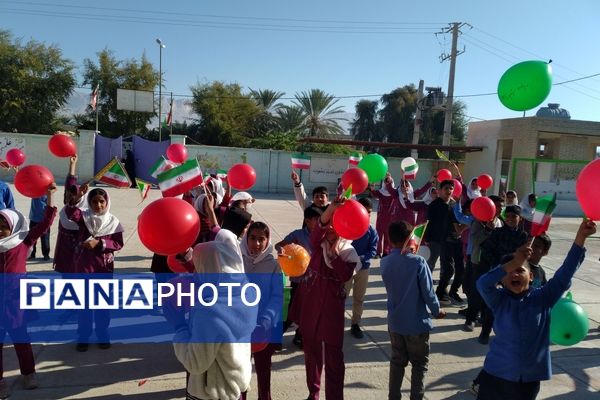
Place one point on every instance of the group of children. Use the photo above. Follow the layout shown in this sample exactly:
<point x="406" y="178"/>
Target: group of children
<point x="231" y="242"/>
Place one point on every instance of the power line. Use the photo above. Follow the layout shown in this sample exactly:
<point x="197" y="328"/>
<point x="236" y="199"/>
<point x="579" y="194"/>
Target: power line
<point x="162" y="12"/>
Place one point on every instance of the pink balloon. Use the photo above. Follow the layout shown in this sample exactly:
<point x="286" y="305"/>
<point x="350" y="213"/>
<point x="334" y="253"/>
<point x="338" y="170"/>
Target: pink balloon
<point x="15" y="157"/>
<point x="458" y="188"/>
<point x="588" y="190"/>
<point x="444" y="175"/>
<point x="485" y="181"/>
<point x="177" y="153"/>
<point x="483" y="209"/>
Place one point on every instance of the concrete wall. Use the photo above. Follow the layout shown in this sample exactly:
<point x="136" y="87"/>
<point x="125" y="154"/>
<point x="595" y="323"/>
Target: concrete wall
<point x="273" y="167"/>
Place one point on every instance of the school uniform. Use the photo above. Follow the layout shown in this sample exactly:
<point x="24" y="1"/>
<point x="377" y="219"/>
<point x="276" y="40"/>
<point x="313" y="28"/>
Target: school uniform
<point x="68" y="234"/>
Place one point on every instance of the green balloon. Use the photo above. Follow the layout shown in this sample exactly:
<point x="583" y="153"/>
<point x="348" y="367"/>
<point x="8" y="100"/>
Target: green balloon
<point x="525" y="85"/>
<point x="375" y="166"/>
<point x="569" y="323"/>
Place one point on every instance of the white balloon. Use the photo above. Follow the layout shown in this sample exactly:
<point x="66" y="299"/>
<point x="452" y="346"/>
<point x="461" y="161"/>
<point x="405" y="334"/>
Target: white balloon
<point x="424" y="252"/>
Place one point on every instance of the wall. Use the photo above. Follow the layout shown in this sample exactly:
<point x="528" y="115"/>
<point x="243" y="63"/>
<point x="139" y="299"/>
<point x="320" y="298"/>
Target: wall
<point x="273" y="167"/>
<point x="36" y="152"/>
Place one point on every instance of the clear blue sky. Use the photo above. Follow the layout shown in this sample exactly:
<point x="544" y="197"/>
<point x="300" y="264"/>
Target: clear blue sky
<point x="295" y="46"/>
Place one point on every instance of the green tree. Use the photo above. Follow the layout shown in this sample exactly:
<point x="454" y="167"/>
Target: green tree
<point x="226" y="115"/>
<point x="366" y="126"/>
<point x="397" y="117"/>
<point x="432" y="129"/>
<point x="321" y="116"/>
<point x="35" y="82"/>
<point x="266" y="121"/>
<point x="111" y="74"/>
<point x="289" y="118"/>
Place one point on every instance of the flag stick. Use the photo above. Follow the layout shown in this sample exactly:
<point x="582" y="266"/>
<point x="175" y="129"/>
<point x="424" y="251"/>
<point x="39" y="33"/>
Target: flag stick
<point x="530" y="241"/>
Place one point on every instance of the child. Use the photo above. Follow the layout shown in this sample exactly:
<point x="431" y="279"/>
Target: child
<point x="409" y="287"/>
<point x="502" y="241"/>
<point x="366" y="248"/>
<point x="15" y="242"/>
<point x="68" y="231"/>
<point x="242" y="200"/>
<point x="320" y="195"/>
<point x="321" y="301"/>
<point x="421" y="207"/>
<point x="100" y="235"/>
<point x="301" y="237"/>
<point x="257" y="253"/>
<point x="527" y="207"/>
<point x="540" y="246"/>
<point x="519" y="357"/>
<point x="385" y="210"/>
<point x="36" y="214"/>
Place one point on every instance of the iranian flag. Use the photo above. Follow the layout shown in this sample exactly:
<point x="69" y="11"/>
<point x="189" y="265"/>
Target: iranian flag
<point x="544" y="206"/>
<point x="180" y="179"/>
<point x="144" y="187"/>
<point x="94" y="97"/>
<point x="222" y="174"/>
<point x="300" y="161"/>
<point x="414" y="240"/>
<point x="160" y="166"/>
<point x="354" y="158"/>
<point x="113" y="174"/>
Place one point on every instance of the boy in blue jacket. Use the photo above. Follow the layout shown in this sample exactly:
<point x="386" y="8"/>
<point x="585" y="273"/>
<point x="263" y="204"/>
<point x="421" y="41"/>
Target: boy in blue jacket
<point x="409" y="287"/>
<point x="519" y="355"/>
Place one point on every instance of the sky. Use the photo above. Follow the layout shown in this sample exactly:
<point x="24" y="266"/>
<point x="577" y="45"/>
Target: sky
<point x="352" y="49"/>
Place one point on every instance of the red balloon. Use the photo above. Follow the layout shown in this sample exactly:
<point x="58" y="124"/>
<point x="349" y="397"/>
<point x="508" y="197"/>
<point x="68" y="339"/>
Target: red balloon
<point x="177" y="266"/>
<point x="33" y="180"/>
<point x="241" y="176"/>
<point x="15" y="157"/>
<point x="483" y="209"/>
<point x="62" y="145"/>
<point x="351" y="220"/>
<point x="357" y="178"/>
<point x="256" y="347"/>
<point x="168" y="226"/>
<point x="588" y="190"/>
<point x="177" y="153"/>
<point x="444" y="175"/>
<point x="485" y="181"/>
<point x="458" y="188"/>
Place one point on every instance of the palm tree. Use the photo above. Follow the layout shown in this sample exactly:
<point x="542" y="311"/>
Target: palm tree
<point x="365" y="126"/>
<point x="320" y="114"/>
<point x="289" y="118"/>
<point x="267" y="99"/>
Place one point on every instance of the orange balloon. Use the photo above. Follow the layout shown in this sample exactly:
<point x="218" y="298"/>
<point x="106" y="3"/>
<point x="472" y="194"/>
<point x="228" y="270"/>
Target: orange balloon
<point x="294" y="260"/>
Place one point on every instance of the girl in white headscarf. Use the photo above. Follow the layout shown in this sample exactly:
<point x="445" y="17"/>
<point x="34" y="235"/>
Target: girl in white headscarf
<point x="511" y="198"/>
<point x="473" y="190"/>
<point x="100" y="236"/>
<point x="16" y="241"/>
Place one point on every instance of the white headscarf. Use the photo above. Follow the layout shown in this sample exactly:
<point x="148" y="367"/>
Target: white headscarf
<point x="473" y="193"/>
<point x="19" y="228"/>
<point x="199" y="204"/>
<point x="427" y="199"/>
<point x="514" y="203"/>
<point x="346" y="252"/>
<point x="219" y="191"/>
<point x="222" y="255"/>
<point x="384" y="190"/>
<point x="256" y="258"/>
<point x="65" y="222"/>
<point x="410" y="193"/>
<point x="100" y="224"/>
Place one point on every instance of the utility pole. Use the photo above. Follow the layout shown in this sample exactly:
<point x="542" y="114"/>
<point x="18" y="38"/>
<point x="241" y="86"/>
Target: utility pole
<point x="455" y="29"/>
<point x="414" y="153"/>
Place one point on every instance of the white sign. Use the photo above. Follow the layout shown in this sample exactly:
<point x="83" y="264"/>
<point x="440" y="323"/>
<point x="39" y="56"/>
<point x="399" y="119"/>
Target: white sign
<point x="327" y="170"/>
<point x="135" y="100"/>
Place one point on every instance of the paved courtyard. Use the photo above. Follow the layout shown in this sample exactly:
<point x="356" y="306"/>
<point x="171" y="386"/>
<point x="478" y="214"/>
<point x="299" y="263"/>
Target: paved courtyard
<point x="150" y="371"/>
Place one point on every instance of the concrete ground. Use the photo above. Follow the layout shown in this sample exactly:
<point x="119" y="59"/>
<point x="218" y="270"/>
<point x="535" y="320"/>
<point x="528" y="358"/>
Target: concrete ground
<point x="151" y="372"/>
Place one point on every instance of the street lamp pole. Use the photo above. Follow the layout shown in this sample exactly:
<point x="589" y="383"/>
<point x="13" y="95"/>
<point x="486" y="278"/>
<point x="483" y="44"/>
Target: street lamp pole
<point x="161" y="46"/>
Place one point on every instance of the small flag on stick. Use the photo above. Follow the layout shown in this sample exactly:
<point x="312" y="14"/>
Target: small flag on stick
<point x="544" y="206"/>
<point x="160" y="166"/>
<point x="354" y="158"/>
<point x="144" y="187"/>
<point x="414" y="240"/>
<point x="113" y="174"/>
<point x="169" y="117"/>
<point x="348" y="193"/>
<point x="300" y="161"/>
<point x="180" y="179"/>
